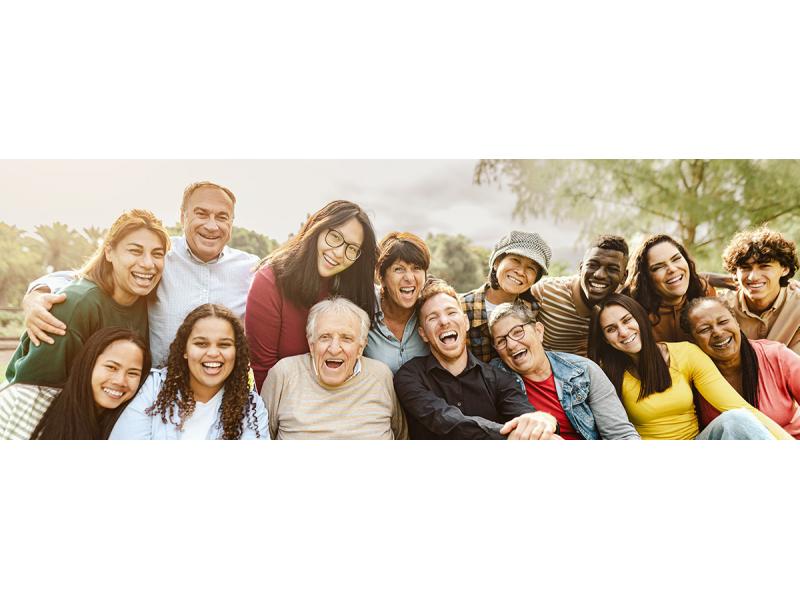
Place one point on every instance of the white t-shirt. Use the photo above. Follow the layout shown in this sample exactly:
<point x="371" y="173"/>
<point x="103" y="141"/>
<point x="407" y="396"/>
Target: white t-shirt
<point x="489" y="307"/>
<point x="198" y="426"/>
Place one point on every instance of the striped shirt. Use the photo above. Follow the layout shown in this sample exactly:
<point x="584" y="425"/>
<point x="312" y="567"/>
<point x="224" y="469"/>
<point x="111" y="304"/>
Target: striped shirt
<point x="564" y="314"/>
<point x="22" y="406"/>
<point x="364" y="407"/>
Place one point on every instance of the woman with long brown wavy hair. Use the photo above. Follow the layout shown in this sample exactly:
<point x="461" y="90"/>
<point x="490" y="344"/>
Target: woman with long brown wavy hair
<point x="203" y="392"/>
<point x="662" y="279"/>
<point x="112" y="291"/>
<point x="333" y="254"/>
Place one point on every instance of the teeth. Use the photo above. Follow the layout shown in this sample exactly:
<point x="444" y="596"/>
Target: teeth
<point x="447" y="334"/>
<point x="629" y="339"/>
<point x="515" y="280"/>
<point x="212" y="365"/>
<point x="755" y="286"/>
<point x="598" y="286"/>
<point x="720" y="345"/>
<point x="675" y="279"/>
<point x="145" y="277"/>
<point x="330" y="261"/>
<point x="408" y="290"/>
<point x="113" y="393"/>
<point x="519" y="353"/>
<point x="334" y="363"/>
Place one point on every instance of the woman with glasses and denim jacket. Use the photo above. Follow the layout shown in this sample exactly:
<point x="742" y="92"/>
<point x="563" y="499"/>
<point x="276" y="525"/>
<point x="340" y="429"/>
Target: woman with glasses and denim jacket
<point x="333" y="254"/>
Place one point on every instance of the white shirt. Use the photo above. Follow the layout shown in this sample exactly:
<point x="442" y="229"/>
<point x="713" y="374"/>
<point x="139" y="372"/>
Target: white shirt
<point x="187" y="282"/>
<point x="198" y="426"/>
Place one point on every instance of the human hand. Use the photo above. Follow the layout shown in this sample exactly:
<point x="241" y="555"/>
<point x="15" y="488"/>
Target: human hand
<point x="36" y="307"/>
<point x="531" y="426"/>
<point x="719" y="280"/>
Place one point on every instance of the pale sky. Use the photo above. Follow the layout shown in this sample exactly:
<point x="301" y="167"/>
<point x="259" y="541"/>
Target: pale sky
<point x="273" y="196"/>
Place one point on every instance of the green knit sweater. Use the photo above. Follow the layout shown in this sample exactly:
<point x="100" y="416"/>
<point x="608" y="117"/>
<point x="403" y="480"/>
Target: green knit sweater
<point x="86" y="309"/>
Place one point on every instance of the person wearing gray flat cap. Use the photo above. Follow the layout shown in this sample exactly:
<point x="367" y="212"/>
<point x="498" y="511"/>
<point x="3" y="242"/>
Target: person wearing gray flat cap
<point x="519" y="259"/>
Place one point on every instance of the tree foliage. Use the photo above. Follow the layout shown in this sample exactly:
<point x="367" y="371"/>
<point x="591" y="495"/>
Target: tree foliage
<point x="20" y="257"/>
<point x="456" y="260"/>
<point x="702" y="202"/>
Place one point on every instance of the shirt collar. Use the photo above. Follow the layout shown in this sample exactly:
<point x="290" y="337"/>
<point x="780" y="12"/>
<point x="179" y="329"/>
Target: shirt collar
<point x="779" y="301"/>
<point x="193" y="256"/>
<point x="432" y="363"/>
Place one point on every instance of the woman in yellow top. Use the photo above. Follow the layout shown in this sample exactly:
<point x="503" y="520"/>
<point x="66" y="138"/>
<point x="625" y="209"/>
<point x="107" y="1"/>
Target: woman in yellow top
<point x="654" y="380"/>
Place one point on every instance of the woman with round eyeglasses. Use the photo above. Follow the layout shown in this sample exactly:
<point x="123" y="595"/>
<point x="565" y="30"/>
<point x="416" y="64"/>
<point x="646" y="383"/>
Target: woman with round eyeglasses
<point x="656" y="380"/>
<point x="333" y="254"/>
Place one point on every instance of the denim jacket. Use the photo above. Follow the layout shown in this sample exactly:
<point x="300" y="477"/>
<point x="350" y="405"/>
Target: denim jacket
<point x="587" y="397"/>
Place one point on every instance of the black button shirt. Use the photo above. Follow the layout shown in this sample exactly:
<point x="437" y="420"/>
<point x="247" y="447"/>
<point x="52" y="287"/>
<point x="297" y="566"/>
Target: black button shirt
<point x="471" y="406"/>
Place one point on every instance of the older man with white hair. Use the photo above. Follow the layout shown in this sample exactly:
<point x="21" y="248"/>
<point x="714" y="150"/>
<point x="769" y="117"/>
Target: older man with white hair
<point x="333" y="392"/>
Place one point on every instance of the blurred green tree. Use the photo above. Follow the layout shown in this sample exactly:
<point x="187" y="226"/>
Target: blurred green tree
<point x="63" y="247"/>
<point x="20" y="257"/>
<point x="458" y="261"/>
<point x="701" y="202"/>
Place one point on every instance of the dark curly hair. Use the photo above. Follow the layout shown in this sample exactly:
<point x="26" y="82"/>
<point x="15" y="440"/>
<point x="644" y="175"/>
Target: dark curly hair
<point x="640" y="285"/>
<point x="762" y="245"/>
<point x="237" y="402"/>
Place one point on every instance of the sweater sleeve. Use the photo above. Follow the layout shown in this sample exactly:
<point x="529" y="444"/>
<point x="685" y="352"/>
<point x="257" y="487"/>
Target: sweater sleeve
<point x="609" y="414"/>
<point x="271" y="392"/>
<point x="718" y="392"/>
<point x="262" y="323"/>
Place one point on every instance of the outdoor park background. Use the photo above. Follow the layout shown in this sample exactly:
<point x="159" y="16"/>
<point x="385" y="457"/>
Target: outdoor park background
<point x="55" y="213"/>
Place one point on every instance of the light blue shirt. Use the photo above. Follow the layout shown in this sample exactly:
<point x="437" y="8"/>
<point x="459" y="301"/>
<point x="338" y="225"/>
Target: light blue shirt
<point x="135" y="424"/>
<point x="382" y="345"/>
<point x="187" y="282"/>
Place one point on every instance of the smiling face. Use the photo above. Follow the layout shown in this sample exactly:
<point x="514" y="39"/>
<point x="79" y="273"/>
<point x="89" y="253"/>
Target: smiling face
<point x="524" y="355"/>
<point x="715" y="330"/>
<point x="336" y="346"/>
<point x="621" y="329"/>
<point x="760" y="281"/>
<point x="668" y="271"/>
<point x="516" y="274"/>
<point x="207" y="222"/>
<point x="117" y="374"/>
<point x="403" y="283"/>
<point x="444" y="327"/>
<point x="211" y="355"/>
<point x="331" y="261"/>
<point x="137" y="263"/>
<point x="602" y="272"/>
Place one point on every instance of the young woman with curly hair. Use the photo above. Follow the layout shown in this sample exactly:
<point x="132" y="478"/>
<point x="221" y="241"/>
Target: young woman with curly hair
<point x="662" y="277"/>
<point x="112" y="291"/>
<point x="655" y="380"/>
<point x="107" y="372"/>
<point x="203" y="392"/>
<point x="333" y="254"/>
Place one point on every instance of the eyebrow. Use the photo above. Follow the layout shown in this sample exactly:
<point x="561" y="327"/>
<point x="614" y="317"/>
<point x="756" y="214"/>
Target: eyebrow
<point x="658" y="264"/>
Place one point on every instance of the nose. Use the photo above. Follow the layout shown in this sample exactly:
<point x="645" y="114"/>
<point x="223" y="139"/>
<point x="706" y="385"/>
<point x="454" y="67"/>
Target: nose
<point x="147" y="261"/>
<point x="334" y="346"/>
<point x="600" y="273"/>
<point x="119" y="378"/>
<point x="213" y="350"/>
<point x="211" y="224"/>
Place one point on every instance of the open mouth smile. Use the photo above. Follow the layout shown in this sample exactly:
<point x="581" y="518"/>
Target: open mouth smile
<point x="674" y="280"/>
<point x="449" y="337"/>
<point x="212" y="367"/>
<point x="630" y="339"/>
<point x="722" y="344"/>
<point x="329" y="261"/>
<point x="519" y="355"/>
<point x="144" y="279"/>
<point x="112" y="393"/>
<point x="334" y="363"/>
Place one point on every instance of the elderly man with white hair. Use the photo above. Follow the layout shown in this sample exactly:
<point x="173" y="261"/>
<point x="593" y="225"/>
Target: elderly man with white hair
<point x="333" y="392"/>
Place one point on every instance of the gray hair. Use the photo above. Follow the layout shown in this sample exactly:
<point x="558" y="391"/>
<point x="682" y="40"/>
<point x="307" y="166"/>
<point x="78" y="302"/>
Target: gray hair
<point x="507" y="309"/>
<point x="340" y="306"/>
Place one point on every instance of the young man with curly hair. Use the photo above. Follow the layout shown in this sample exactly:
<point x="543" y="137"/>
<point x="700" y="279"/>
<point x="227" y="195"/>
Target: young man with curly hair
<point x="766" y="306"/>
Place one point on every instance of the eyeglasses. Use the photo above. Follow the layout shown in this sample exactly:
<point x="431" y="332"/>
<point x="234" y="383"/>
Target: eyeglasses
<point x="334" y="239"/>
<point x="516" y="333"/>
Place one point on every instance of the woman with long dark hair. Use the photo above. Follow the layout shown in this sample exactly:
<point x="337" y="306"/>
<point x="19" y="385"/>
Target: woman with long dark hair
<point x="203" y="392"/>
<point x="654" y="380"/>
<point x="333" y="254"/>
<point x="106" y="374"/>
<point x="765" y="372"/>
<point x="112" y="291"/>
<point x="662" y="277"/>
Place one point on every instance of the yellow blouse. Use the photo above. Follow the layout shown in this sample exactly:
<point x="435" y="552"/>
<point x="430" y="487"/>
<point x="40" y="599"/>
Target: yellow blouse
<point x="670" y="415"/>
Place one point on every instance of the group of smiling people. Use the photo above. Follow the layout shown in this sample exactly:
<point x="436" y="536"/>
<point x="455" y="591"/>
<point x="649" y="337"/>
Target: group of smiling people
<point x="335" y="335"/>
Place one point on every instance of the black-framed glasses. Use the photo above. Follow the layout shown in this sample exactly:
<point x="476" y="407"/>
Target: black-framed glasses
<point x="516" y="333"/>
<point x="334" y="239"/>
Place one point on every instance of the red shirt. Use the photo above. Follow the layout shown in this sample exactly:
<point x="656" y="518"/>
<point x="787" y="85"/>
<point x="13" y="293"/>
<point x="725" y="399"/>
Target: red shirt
<point x="543" y="396"/>
<point x="275" y="327"/>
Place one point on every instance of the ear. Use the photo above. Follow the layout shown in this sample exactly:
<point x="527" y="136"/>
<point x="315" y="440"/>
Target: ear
<point x="421" y="332"/>
<point x="107" y="253"/>
<point x="538" y="328"/>
<point x="784" y="271"/>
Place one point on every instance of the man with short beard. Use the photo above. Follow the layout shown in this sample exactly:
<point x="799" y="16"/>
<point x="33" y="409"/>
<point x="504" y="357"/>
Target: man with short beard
<point x="565" y="303"/>
<point x="200" y="268"/>
<point x="450" y="394"/>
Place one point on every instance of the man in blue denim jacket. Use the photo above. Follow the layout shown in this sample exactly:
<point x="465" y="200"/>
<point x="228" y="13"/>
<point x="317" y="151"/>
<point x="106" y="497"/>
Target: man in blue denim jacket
<point x="571" y="388"/>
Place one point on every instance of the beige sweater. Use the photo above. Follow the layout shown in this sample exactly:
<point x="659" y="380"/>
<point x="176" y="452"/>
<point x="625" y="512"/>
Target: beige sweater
<point x="364" y="407"/>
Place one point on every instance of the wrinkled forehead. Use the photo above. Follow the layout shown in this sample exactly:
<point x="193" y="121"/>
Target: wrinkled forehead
<point x="210" y="199"/>
<point x="337" y="323"/>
